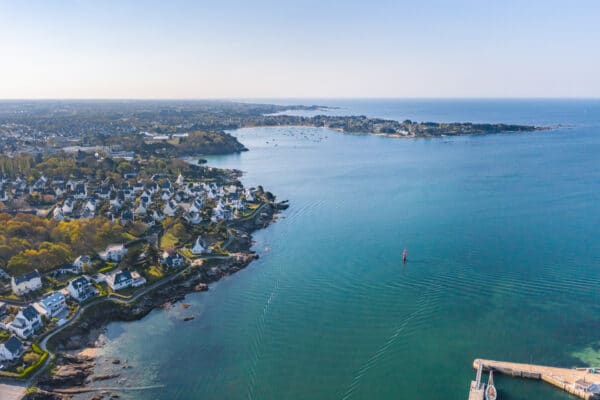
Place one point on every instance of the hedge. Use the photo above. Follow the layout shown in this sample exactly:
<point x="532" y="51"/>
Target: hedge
<point x="32" y="368"/>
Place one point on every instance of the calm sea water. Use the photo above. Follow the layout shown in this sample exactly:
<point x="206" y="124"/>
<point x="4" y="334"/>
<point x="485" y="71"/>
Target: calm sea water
<point x="503" y="239"/>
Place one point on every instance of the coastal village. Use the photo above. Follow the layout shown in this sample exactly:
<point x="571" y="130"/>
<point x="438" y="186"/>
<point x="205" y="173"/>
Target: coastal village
<point x="170" y="223"/>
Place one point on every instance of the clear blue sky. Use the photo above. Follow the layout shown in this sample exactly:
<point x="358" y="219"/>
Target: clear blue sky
<point x="250" y="49"/>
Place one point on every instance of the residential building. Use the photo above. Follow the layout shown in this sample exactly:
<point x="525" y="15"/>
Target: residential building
<point x="113" y="252"/>
<point x="172" y="259"/>
<point x="199" y="246"/>
<point x="119" y="279"/>
<point x="26" y="322"/>
<point x="26" y="283"/>
<point x="52" y="304"/>
<point x="81" y="289"/>
<point x="82" y="262"/>
<point x="11" y="349"/>
<point x="137" y="279"/>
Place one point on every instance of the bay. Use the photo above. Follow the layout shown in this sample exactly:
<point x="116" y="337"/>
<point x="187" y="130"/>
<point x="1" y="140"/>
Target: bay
<point x="502" y="234"/>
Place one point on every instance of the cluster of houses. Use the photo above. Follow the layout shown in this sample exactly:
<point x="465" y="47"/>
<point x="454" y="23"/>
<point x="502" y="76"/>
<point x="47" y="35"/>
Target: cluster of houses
<point x="50" y="190"/>
<point x="150" y="202"/>
<point x="29" y="320"/>
<point x="147" y="201"/>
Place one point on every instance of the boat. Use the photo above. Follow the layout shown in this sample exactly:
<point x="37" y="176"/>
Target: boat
<point x="490" y="390"/>
<point x="404" y="255"/>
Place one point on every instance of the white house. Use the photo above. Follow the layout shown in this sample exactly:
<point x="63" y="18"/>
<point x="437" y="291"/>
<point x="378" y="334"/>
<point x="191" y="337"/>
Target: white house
<point x="113" y="252"/>
<point x="26" y="283"/>
<point x="158" y="215"/>
<point x="26" y="322"/>
<point x="81" y="289"/>
<point x="119" y="279"/>
<point x="140" y="209"/>
<point x="90" y="205"/>
<point x="80" y="191"/>
<point x="196" y="205"/>
<point x="193" y="217"/>
<point x="137" y="279"/>
<point x="52" y="304"/>
<point x="11" y="349"/>
<point x="58" y="214"/>
<point x="172" y="259"/>
<point x="170" y="208"/>
<point x="82" y="262"/>
<point x="165" y="195"/>
<point x="199" y="247"/>
<point x="67" y="207"/>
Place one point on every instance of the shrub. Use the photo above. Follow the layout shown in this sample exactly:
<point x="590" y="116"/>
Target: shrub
<point x="30" y="358"/>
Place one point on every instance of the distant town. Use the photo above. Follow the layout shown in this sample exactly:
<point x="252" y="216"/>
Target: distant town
<point x="125" y="129"/>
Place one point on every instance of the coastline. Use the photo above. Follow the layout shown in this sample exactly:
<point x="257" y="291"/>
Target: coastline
<point x="400" y="135"/>
<point x="77" y="348"/>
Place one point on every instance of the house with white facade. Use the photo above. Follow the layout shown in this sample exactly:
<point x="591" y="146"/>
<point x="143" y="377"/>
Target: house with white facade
<point x="113" y="252"/>
<point x="81" y="289"/>
<point x="51" y="305"/>
<point x="196" y="205"/>
<point x="172" y="259"/>
<point x="11" y="349"/>
<point x="26" y="322"/>
<point x="26" y="283"/>
<point x="170" y="208"/>
<point x="58" y="214"/>
<point x="118" y="280"/>
<point x="193" y="217"/>
<point x="137" y="279"/>
<point x="199" y="247"/>
<point x="67" y="207"/>
<point x="140" y="209"/>
<point x="82" y="262"/>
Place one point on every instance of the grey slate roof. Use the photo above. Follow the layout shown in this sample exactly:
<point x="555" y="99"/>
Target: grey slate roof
<point x="30" y="313"/>
<point x="26" y="277"/>
<point x="13" y="345"/>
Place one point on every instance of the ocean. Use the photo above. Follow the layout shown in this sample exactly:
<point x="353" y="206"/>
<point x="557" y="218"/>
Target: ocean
<point x="503" y="241"/>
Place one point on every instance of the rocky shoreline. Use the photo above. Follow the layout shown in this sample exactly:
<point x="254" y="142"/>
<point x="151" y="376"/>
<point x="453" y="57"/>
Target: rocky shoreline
<point x="72" y="372"/>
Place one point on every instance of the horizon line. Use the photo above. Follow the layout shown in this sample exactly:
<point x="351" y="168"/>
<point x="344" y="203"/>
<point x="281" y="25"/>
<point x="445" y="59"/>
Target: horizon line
<point x="233" y="99"/>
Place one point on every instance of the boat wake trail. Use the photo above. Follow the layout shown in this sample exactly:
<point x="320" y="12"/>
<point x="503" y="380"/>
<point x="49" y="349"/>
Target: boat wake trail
<point x="256" y="347"/>
<point x="423" y="306"/>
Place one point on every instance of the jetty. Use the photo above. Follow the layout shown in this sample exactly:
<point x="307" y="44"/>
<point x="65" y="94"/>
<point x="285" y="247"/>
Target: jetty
<point x="581" y="382"/>
<point x="477" y="389"/>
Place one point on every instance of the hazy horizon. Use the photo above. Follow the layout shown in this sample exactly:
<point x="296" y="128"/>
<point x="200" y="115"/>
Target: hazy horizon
<point x="266" y="99"/>
<point x="307" y="50"/>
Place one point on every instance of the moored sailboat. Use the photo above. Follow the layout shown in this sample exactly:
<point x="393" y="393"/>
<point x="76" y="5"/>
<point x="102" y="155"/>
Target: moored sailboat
<point x="490" y="390"/>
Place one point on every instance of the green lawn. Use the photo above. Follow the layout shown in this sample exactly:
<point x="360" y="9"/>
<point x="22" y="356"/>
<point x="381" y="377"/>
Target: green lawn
<point x="168" y="240"/>
<point x="153" y="274"/>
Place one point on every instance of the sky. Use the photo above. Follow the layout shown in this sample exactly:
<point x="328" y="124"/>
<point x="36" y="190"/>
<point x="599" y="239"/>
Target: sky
<point x="294" y="49"/>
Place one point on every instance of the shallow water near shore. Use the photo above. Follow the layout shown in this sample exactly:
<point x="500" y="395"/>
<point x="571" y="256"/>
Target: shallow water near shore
<point x="502" y="233"/>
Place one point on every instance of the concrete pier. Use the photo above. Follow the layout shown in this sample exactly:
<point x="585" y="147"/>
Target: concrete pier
<point x="476" y="390"/>
<point x="579" y="382"/>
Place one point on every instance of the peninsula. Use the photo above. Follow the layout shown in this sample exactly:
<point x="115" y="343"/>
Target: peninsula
<point x="186" y="128"/>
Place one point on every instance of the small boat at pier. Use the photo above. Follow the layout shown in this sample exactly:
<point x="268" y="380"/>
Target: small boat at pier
<point x="490" y="390"/>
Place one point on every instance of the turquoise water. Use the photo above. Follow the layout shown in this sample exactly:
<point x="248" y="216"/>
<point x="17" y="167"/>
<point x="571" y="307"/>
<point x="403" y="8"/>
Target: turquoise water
<point x="502" y="233"/>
